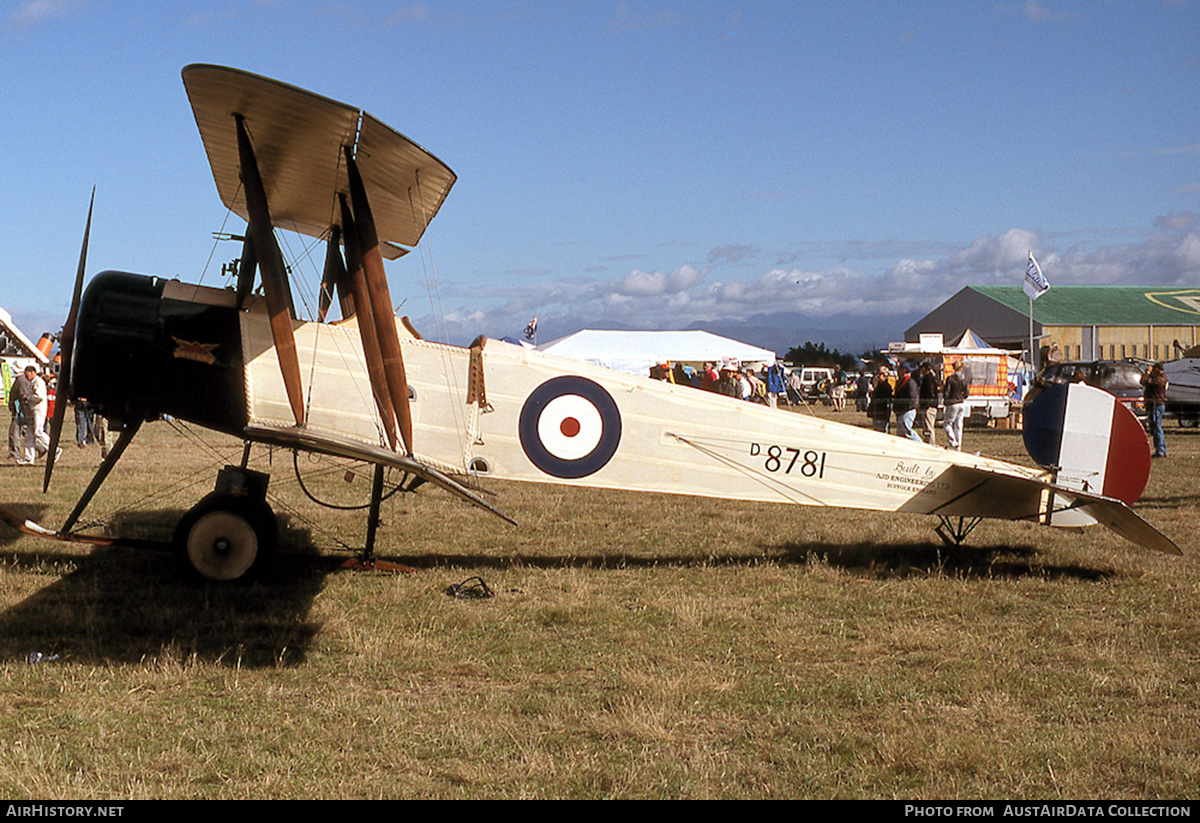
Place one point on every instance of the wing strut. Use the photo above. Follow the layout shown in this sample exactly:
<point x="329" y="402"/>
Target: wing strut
<point x="247" y="267"/>
<point x="366" y="324"/>
<point x="274" y="276"/>
<point x="381" y="301"/>
<point x="335" y="278"/>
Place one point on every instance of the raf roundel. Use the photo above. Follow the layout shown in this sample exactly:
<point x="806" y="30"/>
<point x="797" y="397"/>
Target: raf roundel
<point x="570" y="427"/>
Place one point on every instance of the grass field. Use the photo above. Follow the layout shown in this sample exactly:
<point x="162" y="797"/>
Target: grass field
<point x="637" y="646"/>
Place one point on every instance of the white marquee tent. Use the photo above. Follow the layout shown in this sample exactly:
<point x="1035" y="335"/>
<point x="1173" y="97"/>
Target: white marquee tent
<point x="634" y="352"/>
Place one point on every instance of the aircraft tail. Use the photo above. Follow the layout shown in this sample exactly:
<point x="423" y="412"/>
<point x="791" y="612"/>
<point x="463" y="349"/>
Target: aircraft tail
<point x="1089" y="440"/>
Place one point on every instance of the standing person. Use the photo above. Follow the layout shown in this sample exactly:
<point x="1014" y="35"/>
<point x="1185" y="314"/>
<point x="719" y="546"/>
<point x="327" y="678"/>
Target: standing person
<point x="744" y="387"/>
<point x="36" y="440"/>
<point x="795" y="388"/>
<point x="1154" y="386"/>
<point x="954" y="395"/>
<point x="863" y="392"/>
<point x="930" y="397"/>
<point x="775" y="385"/>
<point x="905" y="397"/>
<point x="16" y="405"/>
<point x="879" y="407"/>
<point x="727" y="385"/>
<point x="837" y="389"/>
<point x="84" y="422"/>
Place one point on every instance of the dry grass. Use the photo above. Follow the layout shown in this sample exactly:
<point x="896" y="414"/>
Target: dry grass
<point x="639" y="646"/>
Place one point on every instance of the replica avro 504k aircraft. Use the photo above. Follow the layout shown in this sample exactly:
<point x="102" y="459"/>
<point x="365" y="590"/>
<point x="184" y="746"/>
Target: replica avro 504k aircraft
<point x="368" y="388"/>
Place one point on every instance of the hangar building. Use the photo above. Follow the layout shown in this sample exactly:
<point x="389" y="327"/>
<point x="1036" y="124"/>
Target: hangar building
<point x="1085" y="322"/>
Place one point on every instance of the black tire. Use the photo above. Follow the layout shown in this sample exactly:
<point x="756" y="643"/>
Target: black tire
<point x="224" y="538"/>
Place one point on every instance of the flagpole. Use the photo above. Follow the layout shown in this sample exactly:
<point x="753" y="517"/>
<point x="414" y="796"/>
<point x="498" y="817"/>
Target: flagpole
<point x="1032" y="364"/>
<point x="1035" y="285"/>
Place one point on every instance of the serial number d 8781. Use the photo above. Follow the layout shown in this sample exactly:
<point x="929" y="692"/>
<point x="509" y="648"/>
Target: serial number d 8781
<point x="788" y="459"/>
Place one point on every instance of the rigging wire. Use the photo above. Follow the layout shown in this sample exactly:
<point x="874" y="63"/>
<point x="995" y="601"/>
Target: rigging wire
<point x="302" y="288"/>
<point x="434" y="290"/>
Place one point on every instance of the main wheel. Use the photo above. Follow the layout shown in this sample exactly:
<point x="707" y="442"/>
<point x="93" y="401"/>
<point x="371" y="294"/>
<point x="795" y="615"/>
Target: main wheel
<point x="223" y="537"/>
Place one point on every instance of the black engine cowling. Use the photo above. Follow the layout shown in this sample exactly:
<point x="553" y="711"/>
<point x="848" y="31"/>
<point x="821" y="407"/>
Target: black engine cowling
<point x="140" y="355"/>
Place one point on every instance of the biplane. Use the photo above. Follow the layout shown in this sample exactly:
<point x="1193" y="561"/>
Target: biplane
<point x="367" y="387"/>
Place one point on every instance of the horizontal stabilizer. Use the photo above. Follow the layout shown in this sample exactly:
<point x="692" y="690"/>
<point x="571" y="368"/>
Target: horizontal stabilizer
<point x="999" y="495"/>
<point x="292" y="437"/>
<point x="1125" y="521"/>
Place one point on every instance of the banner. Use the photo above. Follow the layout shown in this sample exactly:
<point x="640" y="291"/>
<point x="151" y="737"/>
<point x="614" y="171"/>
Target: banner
<point x="1036" y="283"/>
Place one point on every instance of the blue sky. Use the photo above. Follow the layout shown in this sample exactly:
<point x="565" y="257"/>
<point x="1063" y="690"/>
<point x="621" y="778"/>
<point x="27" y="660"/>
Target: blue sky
<point x="650" y="162"/>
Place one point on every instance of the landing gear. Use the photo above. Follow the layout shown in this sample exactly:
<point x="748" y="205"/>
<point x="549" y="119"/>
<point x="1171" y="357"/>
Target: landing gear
<point x="229" y="531"/>
<point x="366" y="560"/>
<point x="954" y="534"/>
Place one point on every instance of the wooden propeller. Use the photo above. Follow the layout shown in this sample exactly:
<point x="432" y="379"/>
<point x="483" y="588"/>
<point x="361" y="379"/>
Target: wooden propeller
<point x="66" y="345"/>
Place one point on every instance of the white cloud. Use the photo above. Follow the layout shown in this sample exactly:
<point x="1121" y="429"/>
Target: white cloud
<point x="733" y="254"/>
<point x="650" y="284"/>
<point x="1036" y="12"/>
<point x="34" y="12"/>
<point x="991" y="254"/>
<point x="1182" y="221"/>
<point x="913" y="283"/>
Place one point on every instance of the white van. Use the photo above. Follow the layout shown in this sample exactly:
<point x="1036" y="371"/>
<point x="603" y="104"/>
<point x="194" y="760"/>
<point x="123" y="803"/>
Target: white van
<point x="814" y="380"/>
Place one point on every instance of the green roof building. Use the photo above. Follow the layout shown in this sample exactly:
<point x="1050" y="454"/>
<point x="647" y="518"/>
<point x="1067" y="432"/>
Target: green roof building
<point x="1081" y="322"/>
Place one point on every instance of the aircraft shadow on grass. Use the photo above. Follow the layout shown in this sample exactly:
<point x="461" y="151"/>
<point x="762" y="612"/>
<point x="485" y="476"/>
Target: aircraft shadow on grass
<point x="920" y="559"/>
<point x="32" y="511"/>
<point x="914" y="559"/>
<point x="136" y="602"/>
<point x="1177" y="501"/>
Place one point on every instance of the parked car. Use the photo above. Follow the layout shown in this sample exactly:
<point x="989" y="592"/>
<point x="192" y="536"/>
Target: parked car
<point x="1183" y="390"/>
<point x="814" y="380"/>
<point x="1120" y="378"/>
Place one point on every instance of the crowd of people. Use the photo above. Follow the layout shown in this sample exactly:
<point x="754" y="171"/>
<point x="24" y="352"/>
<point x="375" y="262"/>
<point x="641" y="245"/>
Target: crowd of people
<point x="912" y="396"/>
<point x="768" y="385"/>
<point x="31" y="405"/>
<point x="904" y="402"/>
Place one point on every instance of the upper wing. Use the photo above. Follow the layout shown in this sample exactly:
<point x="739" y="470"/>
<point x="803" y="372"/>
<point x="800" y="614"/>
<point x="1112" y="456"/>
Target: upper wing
<point x="306" y="440"/>
<point x="298" y="138"/>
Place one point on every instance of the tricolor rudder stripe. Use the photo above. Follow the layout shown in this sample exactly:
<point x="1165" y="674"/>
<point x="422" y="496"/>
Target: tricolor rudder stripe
<point x="569" y="427"/>
<point x="1094" y="440"/>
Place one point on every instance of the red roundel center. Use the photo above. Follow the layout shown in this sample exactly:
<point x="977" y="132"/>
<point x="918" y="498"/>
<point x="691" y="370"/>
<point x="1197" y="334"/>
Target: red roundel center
<point x="569" y="427"/>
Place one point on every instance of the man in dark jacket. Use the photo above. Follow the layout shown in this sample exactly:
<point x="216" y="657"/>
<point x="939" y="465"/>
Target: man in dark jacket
<point x="904" y="403"/>
<point x="930" y="396"/>
<point x="879" y="407"/>
<point x="1154" y="384"/>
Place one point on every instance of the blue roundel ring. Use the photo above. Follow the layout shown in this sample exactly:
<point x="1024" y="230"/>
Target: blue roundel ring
<point x="569" y="427"/>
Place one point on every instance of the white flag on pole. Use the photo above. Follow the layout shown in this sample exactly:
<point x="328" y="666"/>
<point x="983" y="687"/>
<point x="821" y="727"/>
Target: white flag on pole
<point x="1036" y="283"/>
